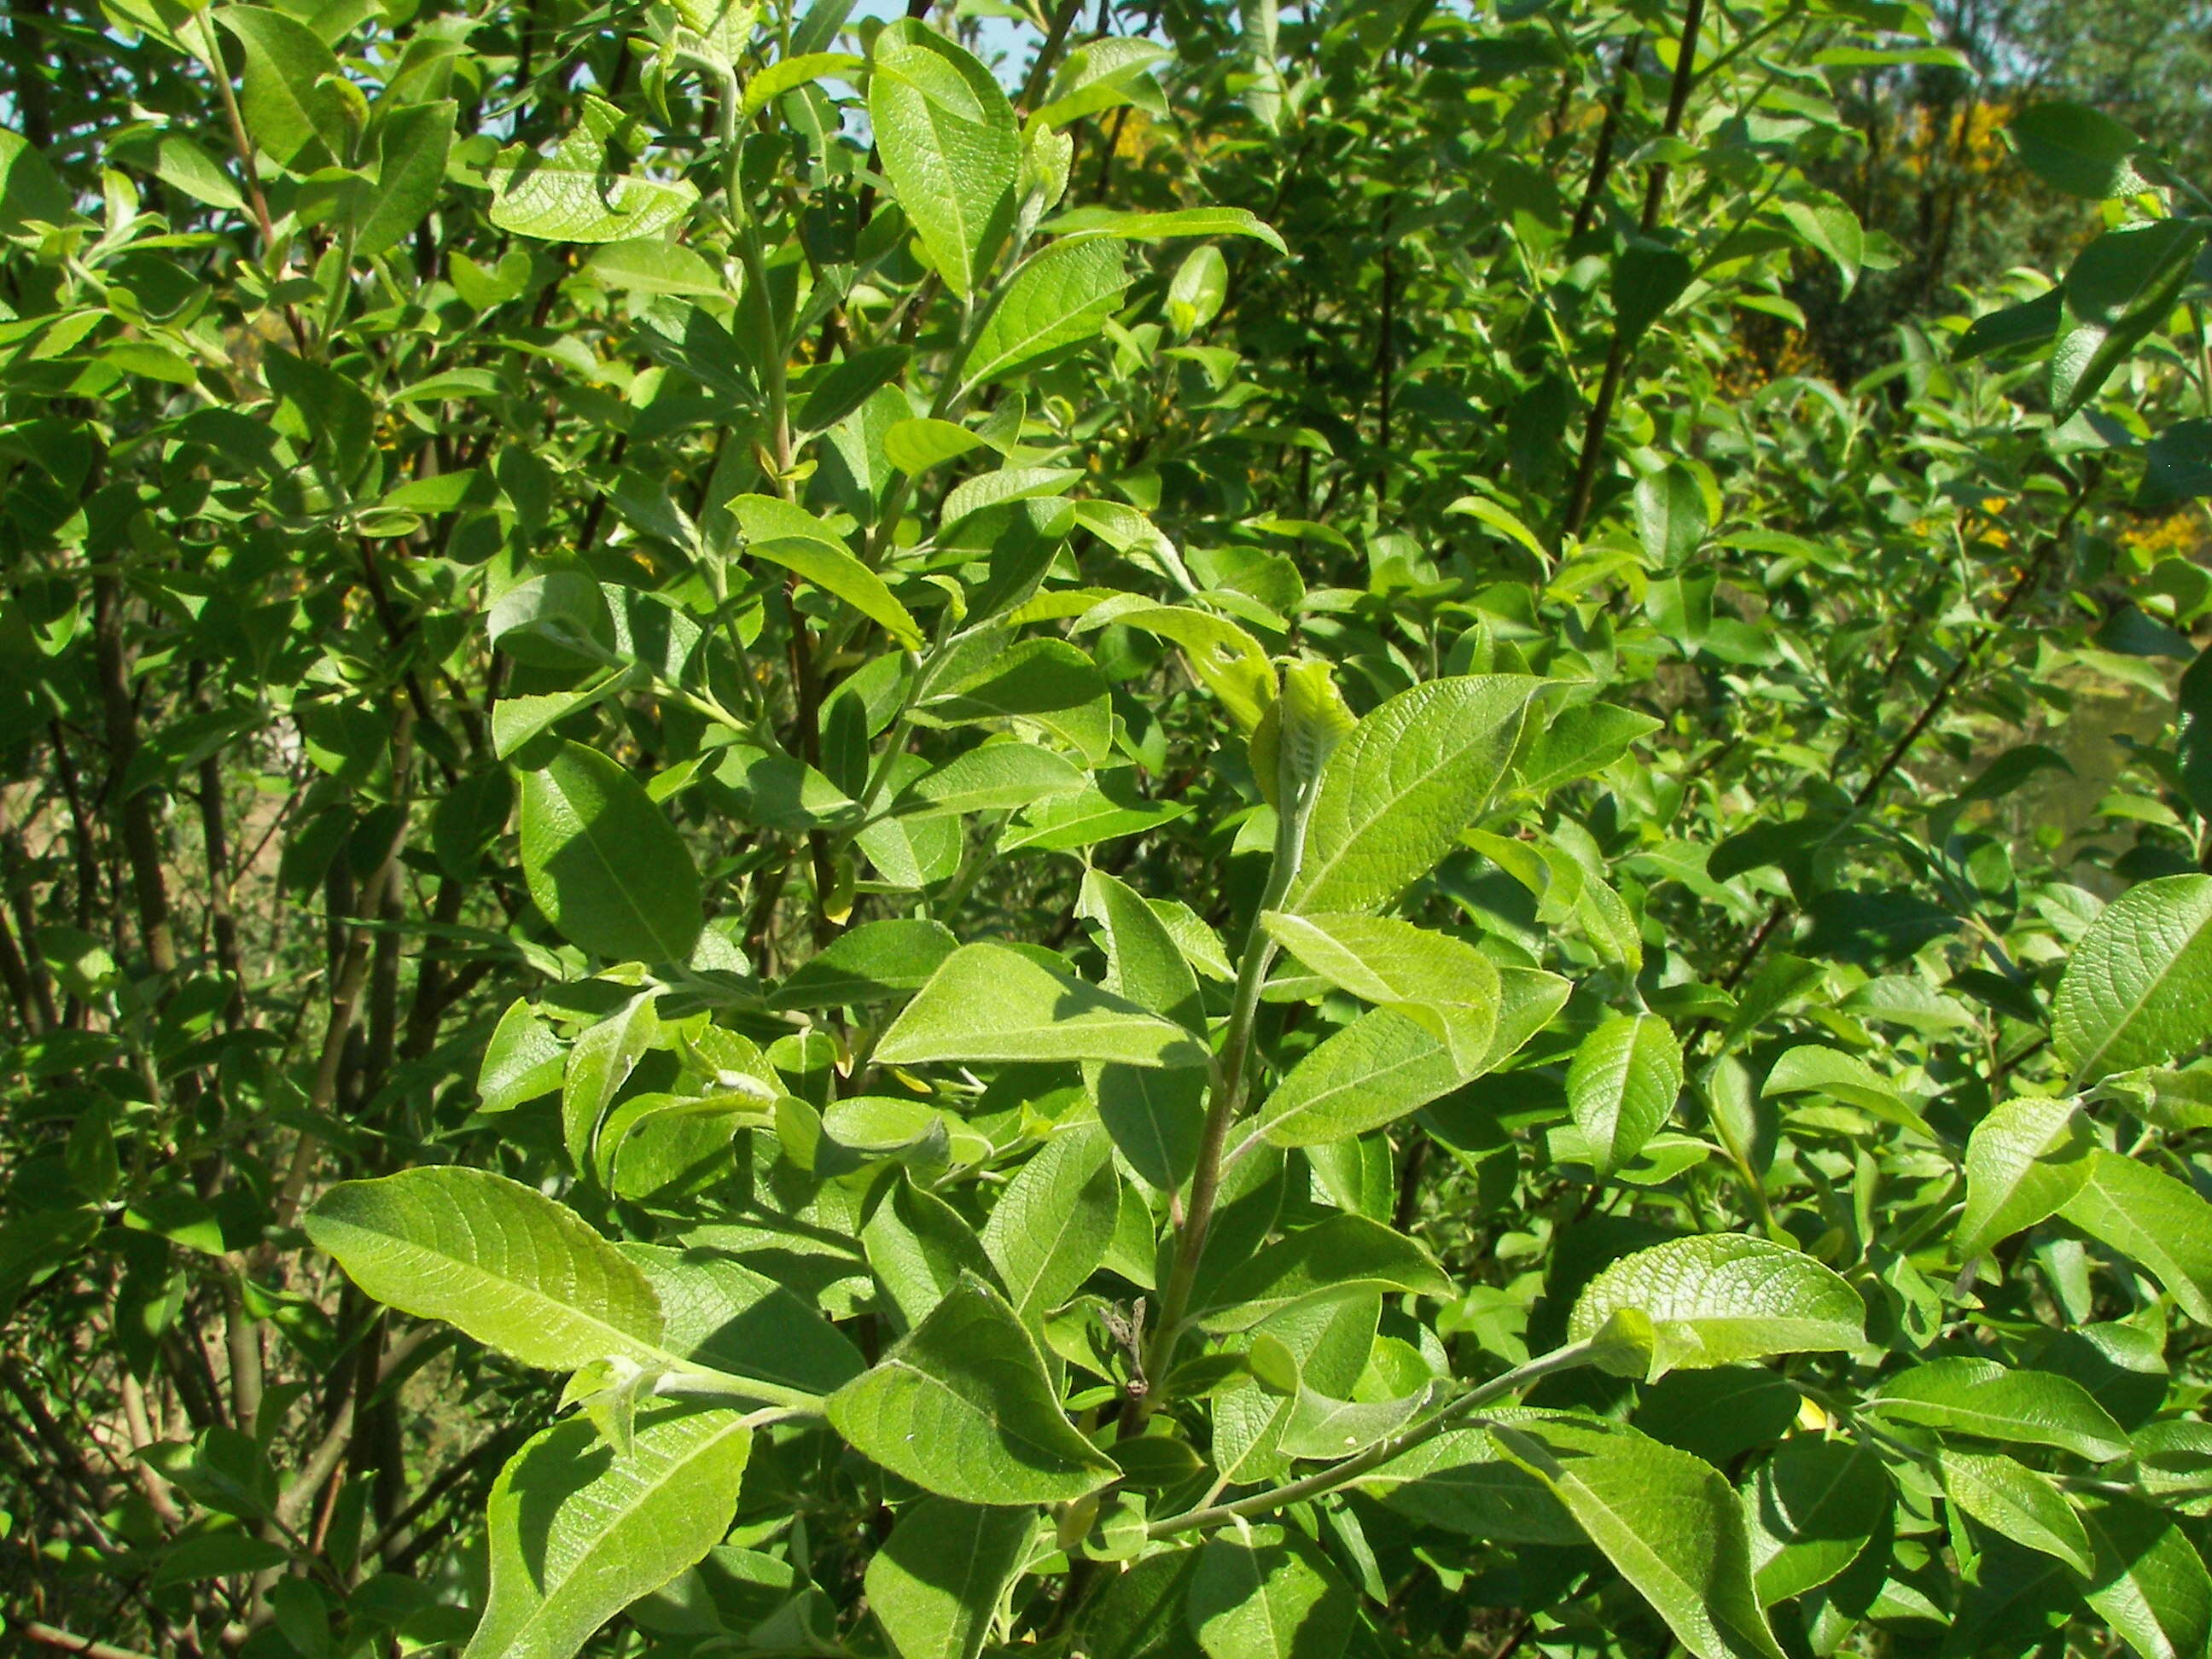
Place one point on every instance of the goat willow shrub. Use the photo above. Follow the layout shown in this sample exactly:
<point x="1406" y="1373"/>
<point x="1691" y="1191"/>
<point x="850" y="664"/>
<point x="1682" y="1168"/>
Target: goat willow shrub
<point x="1140" y="867"/>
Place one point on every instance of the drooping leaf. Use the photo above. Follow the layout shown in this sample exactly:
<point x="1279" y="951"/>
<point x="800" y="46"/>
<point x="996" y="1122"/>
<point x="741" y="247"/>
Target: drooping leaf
<point x="2161" y="1222"/>
<point x="1271" y="1594"/>
<point x="2150" y="1585"/>
<point x="1060" y="298"/>
<point x="1814" y="1506"/>
<point x="934" y="1585"/>
<point x="2016" y="1502"/>
<point x="1667" y="1521"/>
<point x="1343" y="1253"/>
<point x="1051" y="1226"/>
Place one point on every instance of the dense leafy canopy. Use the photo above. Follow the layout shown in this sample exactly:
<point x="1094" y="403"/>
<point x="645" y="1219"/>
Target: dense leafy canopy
<point x="1178" y="832"/>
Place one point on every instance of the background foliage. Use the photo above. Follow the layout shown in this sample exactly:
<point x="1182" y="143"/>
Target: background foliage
<point x="1379" y="831"/>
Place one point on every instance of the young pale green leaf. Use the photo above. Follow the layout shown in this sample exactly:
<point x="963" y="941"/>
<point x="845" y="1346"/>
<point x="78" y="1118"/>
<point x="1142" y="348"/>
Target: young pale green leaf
<point x="1057" y="298"/>
<point x="1196" y="293"/>
<point x="1965" y="1396"/>
<point x="1810" y="1068"/>
<point x="962" y="1406"/>
<point x="990" y="1002"/>
<point x="600" y="1063"/>
<point x="1582" y="741"/>
<point x="1443" y="984"/>
<point x="1718" y="1298"/>
<point x="2139" y="990"/>
<point x="2024" y="1161"/>
<point x="1395" y="795"/>
<point x="790" y="536"/>
<point x="1621" y="1086"/>
<point x="935" y="1582"/>
<point x="1224" y="659"/>
<point x="2014" y="1502"/>
<point x="1268" y="1593"/>
<point x="1813" y="1508"/>
<point x="789" y="74"/>
<point x="1667" y="1521"/>
<point x="950" y="147"/>
<point x="1051" y="1226"/>
<point x="1344" y="1253"/>
<point x="650" y="265"/>
<point x="2150" y="1585"/>
<point x="604" y="863"/>
<point x="577" y="195"/>
<point x="2161" y="1222"/>
<point x="1159" y="227"/>
<point x="292" y="111"/>
<point x="577" y="1533"/>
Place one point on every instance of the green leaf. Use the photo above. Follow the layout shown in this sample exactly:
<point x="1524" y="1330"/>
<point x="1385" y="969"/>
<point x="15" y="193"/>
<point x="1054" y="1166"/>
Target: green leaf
<point x="292" y="110"/>
<point x="1050" y="1227"/>
<point x="934" y="1585"/>
<point x="1670" y="516"/>
<point x="506" y="1264"/>
<point x="30" y="188"/>
<point x="788" y="74"/>
<point x="1579" y="743"/>
<point x="790" y="536"/>
<point x="2014" y="1502"/>
<point x="1815" y="1506"/>
<point x="1143" y="962"/>
<point x="2150" y="1585"/>
<point x="649" y="264"/>
<point x="1443" y="985"/>
<point x="523" y="1060"/>
<point x="1139" y="1614"/>
<point x="1810" y="1069"/>
<point x="1159" y="227"/>
<point x="876" y="962"/>
<point x="1622" y="1085"/>
<point x="2024" y="1161"/>
<point x="992" y="777"/>
<point x="950" y="147"/>
<point x="989" y="1002"/>
<point x="1830" y="227"/>
<point x="962" y="1406"/>
<point x="1981" y="1397"/>
<point x="412" y="143"/>
<point x="1268" y="1594"/>
<point x="1342" y="1254"/>
<point x="918" y="1247"/>
<point x="1395" y="795"/>
<point x="1058" y="297"/>
<point x="1461" y="1481"/>
<point x="2080" y="150"/>
<point x="178" y="162"/>
<point x="2162" y="1223"/>
<point x="2138" y="991"/>
<point x="1720" y="1297"/>
<point x="1648" y="278"/>
<point x="914" y="447"/>
<point x="718" y="1313"/>
<point x="1376" y="1071"/>
<point x="1197" y="291"/>
<point x="604" y="863"/>
<point x="1667" y="1521"/>
<point x="576" y="195"/>
<point x="2123" y="285"/>
<point x="578" y="1534"/>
